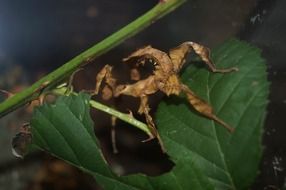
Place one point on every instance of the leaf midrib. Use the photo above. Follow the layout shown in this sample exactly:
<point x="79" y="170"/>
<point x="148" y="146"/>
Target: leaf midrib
<point x="194" y="152"/>
<point x="216" y="137"/>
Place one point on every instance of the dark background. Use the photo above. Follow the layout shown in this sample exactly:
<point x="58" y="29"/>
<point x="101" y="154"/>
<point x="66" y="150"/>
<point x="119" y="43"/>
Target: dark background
<point x="39" y="36"/>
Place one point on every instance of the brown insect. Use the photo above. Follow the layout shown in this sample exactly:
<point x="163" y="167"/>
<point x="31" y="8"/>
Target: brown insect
<point x="164" y="78"/>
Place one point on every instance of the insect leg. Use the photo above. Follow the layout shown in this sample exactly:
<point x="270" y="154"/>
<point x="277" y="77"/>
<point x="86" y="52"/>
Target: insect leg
<point x="178" y="56"/>
<point x="144" y="109"/>
<point x="41" y="93"/>
<point x="71" y="78"/>
<point x="204" y="53"/>
<point x="203" y="107"/>
<point x="113" y="134"/>
<point x="6" y="93"/>
<point x="106" y="74"/>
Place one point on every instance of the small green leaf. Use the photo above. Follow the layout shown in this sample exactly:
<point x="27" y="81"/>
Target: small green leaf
<point x="65" y="129"/>
<point x="205" y="154"/>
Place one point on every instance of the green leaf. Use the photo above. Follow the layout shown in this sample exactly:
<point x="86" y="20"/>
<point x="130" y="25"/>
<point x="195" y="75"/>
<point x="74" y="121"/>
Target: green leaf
<point x="229" y="161"/>
<point x="206" y="155"/>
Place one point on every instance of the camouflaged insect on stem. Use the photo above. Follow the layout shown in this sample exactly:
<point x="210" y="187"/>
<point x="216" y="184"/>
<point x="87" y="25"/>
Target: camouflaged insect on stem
<point x="164" y="78"/>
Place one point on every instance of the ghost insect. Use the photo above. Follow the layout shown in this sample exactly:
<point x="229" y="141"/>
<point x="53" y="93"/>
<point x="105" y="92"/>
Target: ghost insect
<point x="164" y="78"/>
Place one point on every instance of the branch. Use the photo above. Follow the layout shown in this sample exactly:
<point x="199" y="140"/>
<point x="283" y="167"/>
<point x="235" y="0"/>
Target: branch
<point x="51" y="80"/>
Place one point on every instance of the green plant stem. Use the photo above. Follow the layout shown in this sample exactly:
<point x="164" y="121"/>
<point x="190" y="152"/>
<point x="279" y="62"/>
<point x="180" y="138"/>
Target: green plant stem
<point x="123" y="116"/>
<point x="51" y="80"/>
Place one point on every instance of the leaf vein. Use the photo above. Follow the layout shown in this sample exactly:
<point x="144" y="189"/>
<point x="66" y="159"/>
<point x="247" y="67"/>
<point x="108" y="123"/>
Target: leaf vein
<point x="195" y="152"/>
<point x="217" y="141"/>
<point x="60" y="133"/>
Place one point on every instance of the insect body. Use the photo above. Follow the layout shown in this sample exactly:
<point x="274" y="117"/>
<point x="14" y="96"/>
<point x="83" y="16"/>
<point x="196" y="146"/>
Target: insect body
<point x="164" y="78"/>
